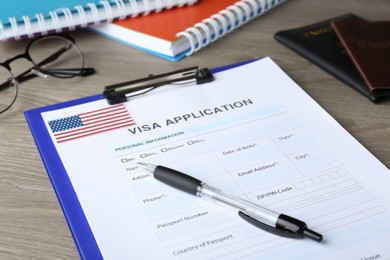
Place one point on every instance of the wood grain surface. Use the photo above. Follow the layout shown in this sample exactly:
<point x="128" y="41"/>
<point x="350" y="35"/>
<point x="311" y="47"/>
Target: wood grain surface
<point x="32" y="225"/>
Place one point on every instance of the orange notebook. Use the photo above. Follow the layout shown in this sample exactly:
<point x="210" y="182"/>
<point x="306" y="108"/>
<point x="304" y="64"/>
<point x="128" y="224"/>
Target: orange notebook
<point x="179" y="32"/>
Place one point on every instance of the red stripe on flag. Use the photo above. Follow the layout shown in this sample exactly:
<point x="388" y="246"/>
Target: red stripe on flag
<point x="60" y="140"/>
<point x="102" y="109"/>
<point x="103" y="118"/>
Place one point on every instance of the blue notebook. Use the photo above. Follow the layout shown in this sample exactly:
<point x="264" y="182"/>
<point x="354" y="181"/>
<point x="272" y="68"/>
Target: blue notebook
<point x="70" y="205"/>
<point x="26" y="19"/>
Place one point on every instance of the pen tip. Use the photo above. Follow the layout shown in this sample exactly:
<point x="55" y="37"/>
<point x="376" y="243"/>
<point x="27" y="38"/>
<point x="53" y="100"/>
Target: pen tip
<point x="147" y="166"/>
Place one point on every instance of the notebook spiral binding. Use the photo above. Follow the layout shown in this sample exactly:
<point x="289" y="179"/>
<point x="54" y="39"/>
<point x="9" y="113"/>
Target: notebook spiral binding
<point x="218" y="25"/>
<point x="81" y="16"/>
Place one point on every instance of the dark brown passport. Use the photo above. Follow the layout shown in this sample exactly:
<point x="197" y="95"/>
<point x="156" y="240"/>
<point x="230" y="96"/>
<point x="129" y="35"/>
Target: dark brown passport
<point x="368" y="45"/>
<point x="319" y="44"/>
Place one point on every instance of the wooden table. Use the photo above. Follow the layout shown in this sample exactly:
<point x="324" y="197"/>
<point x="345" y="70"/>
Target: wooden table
<point x="31" y="221"/>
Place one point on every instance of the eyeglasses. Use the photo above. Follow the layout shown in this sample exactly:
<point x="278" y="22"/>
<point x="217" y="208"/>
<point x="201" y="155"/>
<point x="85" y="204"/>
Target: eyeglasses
<point x="56" y="56"/>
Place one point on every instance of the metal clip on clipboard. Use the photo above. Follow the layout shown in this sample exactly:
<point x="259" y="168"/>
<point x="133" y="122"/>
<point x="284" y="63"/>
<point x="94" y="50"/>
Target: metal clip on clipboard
<point x="119" y="93"/>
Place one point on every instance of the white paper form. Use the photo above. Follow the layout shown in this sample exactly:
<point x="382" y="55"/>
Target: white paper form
<point x="252" y="132"/>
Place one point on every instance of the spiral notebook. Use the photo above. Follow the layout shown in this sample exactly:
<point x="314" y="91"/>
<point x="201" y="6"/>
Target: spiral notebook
<point x="177" y="33"/>
<point x="26" y="19"/>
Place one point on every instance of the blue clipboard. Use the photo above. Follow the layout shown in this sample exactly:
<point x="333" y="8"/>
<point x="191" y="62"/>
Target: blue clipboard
<point x="70" y="205"/>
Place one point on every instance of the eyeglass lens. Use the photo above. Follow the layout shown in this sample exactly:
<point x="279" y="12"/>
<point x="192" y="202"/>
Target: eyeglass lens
<point x="60" y="58"/>
<point x="8" y="89"/>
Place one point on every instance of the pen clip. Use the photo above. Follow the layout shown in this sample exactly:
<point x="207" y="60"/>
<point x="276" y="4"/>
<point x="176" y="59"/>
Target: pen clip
<point x="273" y="230"/>
<point x="118" y="93"/>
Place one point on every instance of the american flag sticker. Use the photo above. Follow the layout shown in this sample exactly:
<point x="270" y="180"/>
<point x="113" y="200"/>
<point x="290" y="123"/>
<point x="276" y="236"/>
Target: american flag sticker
<point x="90" y="123"/>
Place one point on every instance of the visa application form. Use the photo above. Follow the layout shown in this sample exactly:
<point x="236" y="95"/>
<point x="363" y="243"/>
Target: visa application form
<point x="252" y="132"/>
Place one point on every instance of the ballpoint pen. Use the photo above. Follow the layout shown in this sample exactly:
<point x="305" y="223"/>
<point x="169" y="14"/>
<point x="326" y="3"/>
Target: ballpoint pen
<point x="268" y="220"/>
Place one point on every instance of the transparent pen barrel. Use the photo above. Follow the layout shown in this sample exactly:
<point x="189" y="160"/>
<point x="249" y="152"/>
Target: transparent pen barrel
<point x="232" y="202"/>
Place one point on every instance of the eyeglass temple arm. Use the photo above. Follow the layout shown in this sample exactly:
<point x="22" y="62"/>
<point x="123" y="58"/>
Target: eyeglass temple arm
<point x="5" y="85"/>
<point x="75" y="71"/>
<point x="23" y="76"/>
<point x="72" y="71"/>
<point x="54" y="56"/>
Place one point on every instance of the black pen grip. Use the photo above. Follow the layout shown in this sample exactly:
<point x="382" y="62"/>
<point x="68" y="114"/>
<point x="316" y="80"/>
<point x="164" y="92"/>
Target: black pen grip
<point x="177" y="179"/>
